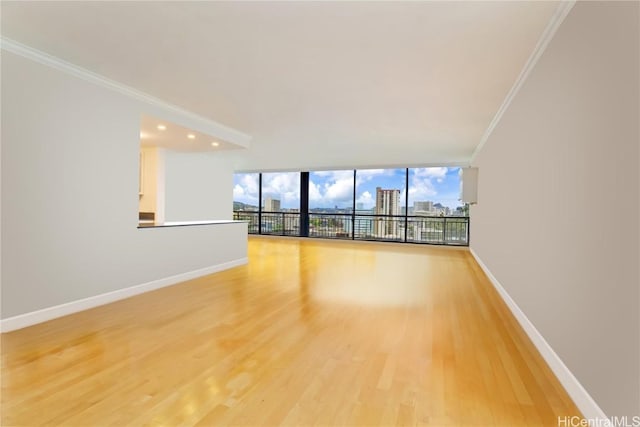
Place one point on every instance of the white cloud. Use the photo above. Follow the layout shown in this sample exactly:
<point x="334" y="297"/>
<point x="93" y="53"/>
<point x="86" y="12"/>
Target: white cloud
<point x="431" y="172"/>
<point x="246" y="189"/>
<point x="334" y="174"/>
<point x="341" y="190"/>
<point x="367" y="200"/>
<point x="282" y="186"/>
<point x="421" y="186"/>
<point x="374" y="172"/>
<point x="365" y="175"/>
<point x="330" y="188"/>
<point x="250" y="183"/>
<point x="238" y="191"/>
<point x="314" y="192"/>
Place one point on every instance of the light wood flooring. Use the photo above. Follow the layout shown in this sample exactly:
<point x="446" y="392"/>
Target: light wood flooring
<point x="308" y="333"/>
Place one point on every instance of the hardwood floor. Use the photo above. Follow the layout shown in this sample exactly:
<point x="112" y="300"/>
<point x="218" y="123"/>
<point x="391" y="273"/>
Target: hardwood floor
<point x="308" y="333"/>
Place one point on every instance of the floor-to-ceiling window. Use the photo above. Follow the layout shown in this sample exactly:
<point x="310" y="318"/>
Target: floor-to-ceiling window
<point x="416" y="205"/>
<point x="331" y="204"/>
<point x="246" y="199"/>
<point x="280" y="203"/>
<point x="435" y="213"/>
<point x="380" y="204"/>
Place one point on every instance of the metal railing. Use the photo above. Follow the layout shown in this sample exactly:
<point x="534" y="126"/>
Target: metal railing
<point x="278" y="223"/>
<point x="281" y="223"/>
<point x="441" y="230"/>
<point x="330" y="226"/>
<point x="379" y="227"/>
<point x="251" y="217"/>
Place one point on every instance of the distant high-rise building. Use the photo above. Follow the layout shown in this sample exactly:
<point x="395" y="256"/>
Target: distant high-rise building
<point x="387" y="203"/>
<point x="271" y="205"/>
<point x="426" y="206"/>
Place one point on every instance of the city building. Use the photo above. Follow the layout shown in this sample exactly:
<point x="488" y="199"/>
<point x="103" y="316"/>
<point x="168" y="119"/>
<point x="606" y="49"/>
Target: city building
<point x="422" y="207"/>
<point x="111" y="110"/>
<point x="271" y="204"/>
<point x="388" y="204"/>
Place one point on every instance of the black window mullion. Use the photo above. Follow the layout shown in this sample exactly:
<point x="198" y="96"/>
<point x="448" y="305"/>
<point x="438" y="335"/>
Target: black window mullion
<point x="406" y="203"/>
<point x="304" y="204"/>
<point x="353" y="209"/>
<point x="260" y="203"/>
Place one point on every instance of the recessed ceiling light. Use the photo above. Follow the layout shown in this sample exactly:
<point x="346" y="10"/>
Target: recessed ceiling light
<point x="143" y="135"/>
<point x="215" y="144"/>
<point x="191" y="136"/>
<point x="162" y="127"/>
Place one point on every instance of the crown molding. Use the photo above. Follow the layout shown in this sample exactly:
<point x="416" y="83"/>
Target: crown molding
<point x="186" y="117"/>
<point x="556" y="20"/>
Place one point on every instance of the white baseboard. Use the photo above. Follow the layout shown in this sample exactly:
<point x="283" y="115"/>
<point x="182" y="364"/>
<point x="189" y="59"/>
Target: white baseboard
<point x="28" y="319"/>
<point x="585" y="403"/>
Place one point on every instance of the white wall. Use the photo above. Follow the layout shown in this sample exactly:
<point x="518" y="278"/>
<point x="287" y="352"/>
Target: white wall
<point x="198" y="186"/>
<point x="149" y="198"/>
<point x="557" y="218"/>
<point x="70" y="195"/>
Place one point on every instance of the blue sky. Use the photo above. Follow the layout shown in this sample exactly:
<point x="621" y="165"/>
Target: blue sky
<point x="328" y="189"/>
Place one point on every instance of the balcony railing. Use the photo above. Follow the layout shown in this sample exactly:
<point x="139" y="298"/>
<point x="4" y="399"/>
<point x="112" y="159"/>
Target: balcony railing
<point x="330" y="226"/>
<point x="439" y="230"/>
<point x="281" y="223"/>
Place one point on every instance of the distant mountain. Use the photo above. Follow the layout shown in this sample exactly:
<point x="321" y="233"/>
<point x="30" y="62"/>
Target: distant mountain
<point x="335" y="210"/>
<point x="239" y="206"/>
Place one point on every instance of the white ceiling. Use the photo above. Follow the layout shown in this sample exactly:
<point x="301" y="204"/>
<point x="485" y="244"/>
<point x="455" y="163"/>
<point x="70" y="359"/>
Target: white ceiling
<point x="406" y="75"/>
